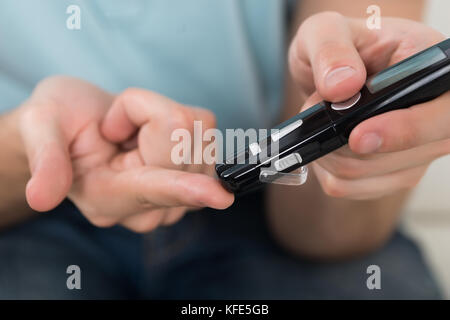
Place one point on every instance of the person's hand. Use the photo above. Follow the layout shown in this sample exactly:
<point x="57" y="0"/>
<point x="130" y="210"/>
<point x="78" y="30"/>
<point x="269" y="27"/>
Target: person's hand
<point x="329" y="59"/>
<point x="111" y="155"/>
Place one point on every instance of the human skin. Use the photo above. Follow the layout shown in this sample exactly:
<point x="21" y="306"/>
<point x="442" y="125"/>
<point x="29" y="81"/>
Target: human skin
<point x="349" y="206"/>
<point x="98" y="150"/>
<point x="354" y="195"/>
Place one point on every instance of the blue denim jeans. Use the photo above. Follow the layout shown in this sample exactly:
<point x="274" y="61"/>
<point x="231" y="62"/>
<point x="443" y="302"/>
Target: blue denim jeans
<point x="207" y="255"/>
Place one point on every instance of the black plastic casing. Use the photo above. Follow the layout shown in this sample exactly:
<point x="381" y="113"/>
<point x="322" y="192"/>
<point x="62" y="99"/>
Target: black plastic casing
<point x="325" y="129"/>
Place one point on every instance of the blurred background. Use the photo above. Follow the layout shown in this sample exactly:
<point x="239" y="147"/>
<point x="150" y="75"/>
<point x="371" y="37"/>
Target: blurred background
<point x="427" y="216"/>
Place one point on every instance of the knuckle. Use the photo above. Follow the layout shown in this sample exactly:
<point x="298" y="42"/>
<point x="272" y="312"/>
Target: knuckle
<point x="351" y="169"/>
<point x="49" y="88"/>
<point x="172" y="220"/>
<point x="198" y="199"/>
<point x="444" y="148"/>
<point x="347" y="168"/>
<point x="138" y="229"/>
<point x="39" y="108"/>
<point x="143" y="202"/>
<point x="409" y="137"/>
<point x="51" y="81"/>
<point x="332" y="187"/>
<point x="415" y="178"/>
<point x="128" y="95"/>
<point x="147" y="225"/>
<point x="101" y="221"/>
<point x="327" y="51"/>
<point x="436" y="36"/>
<point x="181" y="118"/>
<point x="28" y="117"/>
<point x="209" y="119"/>
<point x="405" y="135"/>
<point x="35" y="115"/>
<point x="412" y="183"/>
<point x="317" y="19"/>
<point x="185" y="193"/>
<point x="329" y="16"/>
<point x="295" y="63"/>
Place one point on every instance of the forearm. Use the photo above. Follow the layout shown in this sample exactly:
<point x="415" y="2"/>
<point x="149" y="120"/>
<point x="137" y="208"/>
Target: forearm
<point x="14" y="172"/>
<point x="310" y="223"/>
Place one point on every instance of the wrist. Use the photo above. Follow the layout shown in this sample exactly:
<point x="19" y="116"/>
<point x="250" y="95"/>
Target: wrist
<point x="13" y="154"/>
<point x="14" y="171"/>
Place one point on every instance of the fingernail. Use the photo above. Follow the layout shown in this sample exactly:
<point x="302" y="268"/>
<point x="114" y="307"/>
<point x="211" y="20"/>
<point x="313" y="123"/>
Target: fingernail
<point x="370" y="142"/>
<point x="336" y="76"/>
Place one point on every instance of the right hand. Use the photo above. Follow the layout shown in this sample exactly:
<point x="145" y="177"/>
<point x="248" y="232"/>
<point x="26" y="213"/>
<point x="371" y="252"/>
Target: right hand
<point x="111" y="155"/>
<point x="388" y="153"/>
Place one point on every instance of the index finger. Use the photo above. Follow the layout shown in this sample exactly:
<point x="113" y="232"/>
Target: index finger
<point x="131" y="109"/>
<point x="324" y="50"/>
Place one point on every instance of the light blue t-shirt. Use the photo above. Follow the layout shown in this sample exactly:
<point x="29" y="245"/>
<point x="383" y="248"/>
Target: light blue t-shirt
<point x="224" y="55"/>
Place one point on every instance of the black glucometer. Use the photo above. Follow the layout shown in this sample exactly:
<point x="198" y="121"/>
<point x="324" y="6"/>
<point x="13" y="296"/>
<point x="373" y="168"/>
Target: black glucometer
<point x="326" y="126"/>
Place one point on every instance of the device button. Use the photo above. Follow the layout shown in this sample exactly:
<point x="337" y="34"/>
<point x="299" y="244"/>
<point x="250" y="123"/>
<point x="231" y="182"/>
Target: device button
<point x="287" y="162"/>
<point x="255" y="149"/>
<point x="278" y="134"/>
<point x="344" y="105"/>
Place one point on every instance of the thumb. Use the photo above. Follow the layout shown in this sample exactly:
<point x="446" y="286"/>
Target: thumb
<point x="48" y="158"/>
<point x="325" y="43"/>
<point x="404" y="129"/>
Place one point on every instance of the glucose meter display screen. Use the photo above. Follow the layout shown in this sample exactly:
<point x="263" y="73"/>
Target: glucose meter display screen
<point x="404" y="69"/>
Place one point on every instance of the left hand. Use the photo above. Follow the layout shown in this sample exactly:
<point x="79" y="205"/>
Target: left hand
<point x="111" y="155"/>
<point x="332" y="55"/>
